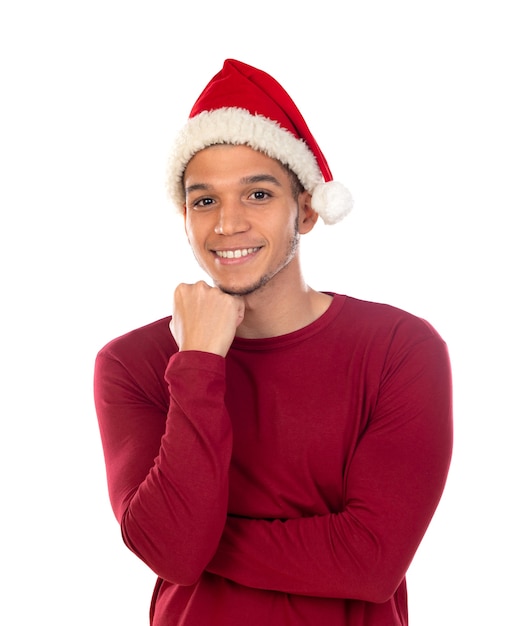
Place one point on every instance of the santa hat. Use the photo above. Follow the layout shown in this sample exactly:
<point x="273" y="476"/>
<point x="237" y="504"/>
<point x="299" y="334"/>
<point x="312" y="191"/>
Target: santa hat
<point x="242" y="105"/>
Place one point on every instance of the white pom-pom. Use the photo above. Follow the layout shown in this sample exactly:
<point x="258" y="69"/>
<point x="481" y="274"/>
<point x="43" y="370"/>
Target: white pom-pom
<point x="332" y="201"/>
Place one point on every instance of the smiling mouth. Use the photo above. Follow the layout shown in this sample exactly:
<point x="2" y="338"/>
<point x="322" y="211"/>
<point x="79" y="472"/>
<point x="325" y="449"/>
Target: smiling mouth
<point x="235" y="254"/>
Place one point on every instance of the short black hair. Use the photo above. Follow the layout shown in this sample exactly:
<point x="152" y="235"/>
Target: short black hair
<point x="295" y="184"/>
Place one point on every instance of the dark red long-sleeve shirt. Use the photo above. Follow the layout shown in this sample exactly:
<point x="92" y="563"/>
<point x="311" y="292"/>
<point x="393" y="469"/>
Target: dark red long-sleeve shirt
<point x="290" y="483"/>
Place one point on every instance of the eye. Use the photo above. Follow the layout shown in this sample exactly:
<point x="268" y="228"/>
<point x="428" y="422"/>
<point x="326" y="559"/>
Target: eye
<point x="202" y="204"/>
<point x="260" y="194"/>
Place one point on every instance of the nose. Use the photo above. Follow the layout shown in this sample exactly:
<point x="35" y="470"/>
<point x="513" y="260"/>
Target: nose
<point x="232" y="218"/>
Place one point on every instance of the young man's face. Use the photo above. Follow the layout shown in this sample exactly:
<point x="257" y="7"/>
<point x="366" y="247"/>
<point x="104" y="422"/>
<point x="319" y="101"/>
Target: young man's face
<point x="241" y="217"/>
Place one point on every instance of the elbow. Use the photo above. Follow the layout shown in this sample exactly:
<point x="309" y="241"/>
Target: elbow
<point x="376" y="590"/>
<point x="381" y="584"/>
<point x="185" y="574"/>
<point x="172" y="564"/>
<point x="186" y="565"/>
<point x="173" y="559"/>
<point x="382" y="592"/>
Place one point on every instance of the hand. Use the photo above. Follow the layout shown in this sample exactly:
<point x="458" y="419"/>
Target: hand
<point x="205" y="318"/>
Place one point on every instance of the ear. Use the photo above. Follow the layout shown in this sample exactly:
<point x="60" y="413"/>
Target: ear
<point x="184" y="223"/>
<point x="307" y="216"/>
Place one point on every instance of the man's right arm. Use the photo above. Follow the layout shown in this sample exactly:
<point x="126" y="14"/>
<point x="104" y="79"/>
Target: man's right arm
<point x="167" y="468"/>
<point x="167" y="472"/>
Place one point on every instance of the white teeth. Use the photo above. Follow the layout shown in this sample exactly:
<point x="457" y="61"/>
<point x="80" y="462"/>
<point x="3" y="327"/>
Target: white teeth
<point x="235" y="254"/>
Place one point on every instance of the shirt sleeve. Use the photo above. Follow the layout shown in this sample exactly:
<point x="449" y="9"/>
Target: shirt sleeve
<point x="167" y="467"/>
<point x="394" y="483"/>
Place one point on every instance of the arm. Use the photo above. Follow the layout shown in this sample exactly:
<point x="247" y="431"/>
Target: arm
<point x="167" y="462"/>
<point x="167" y="473"/>
<point x="393" y="484"/>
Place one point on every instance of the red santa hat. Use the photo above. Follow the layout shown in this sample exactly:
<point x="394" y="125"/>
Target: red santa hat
<point x="242" y="105"/>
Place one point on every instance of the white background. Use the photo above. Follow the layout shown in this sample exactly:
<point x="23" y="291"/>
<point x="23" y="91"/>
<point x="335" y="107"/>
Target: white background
<point x="413" y="104"/>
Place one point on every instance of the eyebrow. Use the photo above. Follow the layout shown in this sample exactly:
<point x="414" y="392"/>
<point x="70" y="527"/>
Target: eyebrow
<point x="260" y="178"/>
<point x="197" y="187"/>
<point x="246" y="180"/>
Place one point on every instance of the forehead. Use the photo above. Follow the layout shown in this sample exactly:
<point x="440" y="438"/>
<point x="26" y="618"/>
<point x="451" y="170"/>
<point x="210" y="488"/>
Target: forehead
<point x="231" y="160"/>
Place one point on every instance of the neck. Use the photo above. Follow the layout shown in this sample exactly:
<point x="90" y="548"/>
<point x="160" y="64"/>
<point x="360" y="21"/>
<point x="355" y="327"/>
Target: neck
<point x="271" y="312"/>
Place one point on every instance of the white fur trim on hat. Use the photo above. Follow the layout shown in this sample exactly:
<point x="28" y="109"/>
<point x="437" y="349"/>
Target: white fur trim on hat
<point x="231" y="125"/>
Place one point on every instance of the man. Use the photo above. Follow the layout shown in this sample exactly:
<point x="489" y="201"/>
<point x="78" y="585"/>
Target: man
<point x="274" y="454"/>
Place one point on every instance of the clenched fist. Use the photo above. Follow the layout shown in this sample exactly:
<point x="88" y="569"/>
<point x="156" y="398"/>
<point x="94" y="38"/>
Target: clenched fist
<point x="205" y="318"/>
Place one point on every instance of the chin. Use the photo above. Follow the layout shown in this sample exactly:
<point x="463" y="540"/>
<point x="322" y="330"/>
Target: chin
<point x="243" y="290"/>
<point x="237" y="291"/>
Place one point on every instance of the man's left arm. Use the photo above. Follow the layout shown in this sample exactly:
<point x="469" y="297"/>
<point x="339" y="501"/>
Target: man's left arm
<point x="395" y="481"/>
